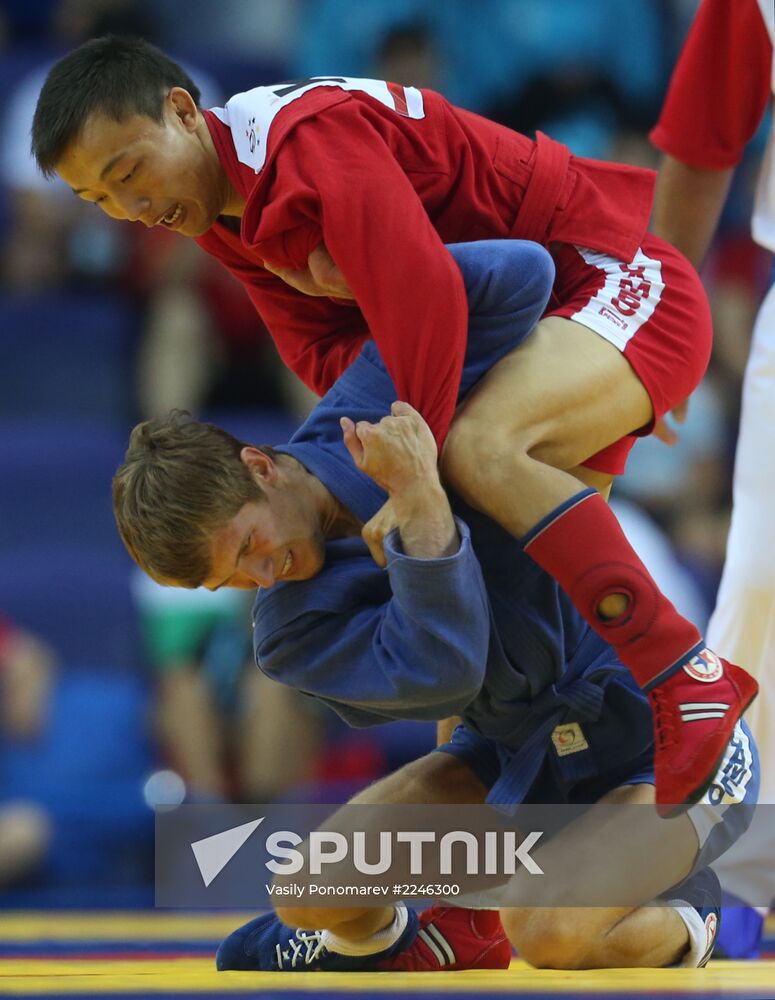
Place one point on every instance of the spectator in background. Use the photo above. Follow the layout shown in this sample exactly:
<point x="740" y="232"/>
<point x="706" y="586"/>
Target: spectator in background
<point x="22" y="19"/>
<point x="407" y="53"/>
<point x="26" y="666"/>
<point x="684" y="488"/>
<point x="229" y="731"/>
<point x="204" y="347"/>
<point x="261" y="30"/>
<point x="509" y="49"/>
<point x="656" y="549"/>
<point x="716" y="101"/>
<point x="202" y="344"/>
<point x="53" y="243"/>
<point x="576" y="102"/>
<point x="355" y="37"/>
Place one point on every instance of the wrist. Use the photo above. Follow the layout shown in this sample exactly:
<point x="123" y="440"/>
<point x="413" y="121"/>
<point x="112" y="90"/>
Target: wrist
<point x="426" y="524"/>
<point x="418" y="499"/>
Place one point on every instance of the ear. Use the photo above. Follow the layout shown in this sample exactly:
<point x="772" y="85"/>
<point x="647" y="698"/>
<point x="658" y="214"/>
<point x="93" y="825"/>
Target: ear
<point x="183" y="106"/>
<point x="260" y="465"/>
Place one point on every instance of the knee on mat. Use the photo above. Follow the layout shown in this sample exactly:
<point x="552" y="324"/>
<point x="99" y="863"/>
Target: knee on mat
<point x="547" y="938"/>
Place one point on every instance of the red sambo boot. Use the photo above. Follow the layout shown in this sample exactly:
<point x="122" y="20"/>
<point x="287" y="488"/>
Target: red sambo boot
<point x="451" y="939"/>
<point x="696" y="709"/>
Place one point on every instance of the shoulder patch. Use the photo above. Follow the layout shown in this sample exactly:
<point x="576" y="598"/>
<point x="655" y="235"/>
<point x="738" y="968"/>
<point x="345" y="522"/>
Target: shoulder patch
<point x="250" y="115"/>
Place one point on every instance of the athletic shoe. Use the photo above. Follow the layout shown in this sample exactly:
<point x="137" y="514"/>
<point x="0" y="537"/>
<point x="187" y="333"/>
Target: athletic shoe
<point x="451" y="939"/>
<point x="695" y="712"/>
<point x="267" y="945"/>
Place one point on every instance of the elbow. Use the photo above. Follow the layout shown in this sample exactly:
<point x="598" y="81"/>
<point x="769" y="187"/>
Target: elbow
<point x="448" y="684"/>
<point x="467" y="652"/>
<point x="465" y="682"/>
<point x="470" y="690"/>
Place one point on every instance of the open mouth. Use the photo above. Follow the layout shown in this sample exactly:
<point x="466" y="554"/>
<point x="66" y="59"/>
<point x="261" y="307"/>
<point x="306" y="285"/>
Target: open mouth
<point x="287" y="565"/>
<point x="172" y="217"/>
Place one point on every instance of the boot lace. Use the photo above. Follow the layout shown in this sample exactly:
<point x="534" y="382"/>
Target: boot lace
<point x="302" y="948"/>
<point x="665" y="729"/>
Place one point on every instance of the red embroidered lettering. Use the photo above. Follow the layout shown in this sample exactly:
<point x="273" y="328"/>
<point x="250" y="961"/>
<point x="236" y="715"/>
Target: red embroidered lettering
<point x="631" y="293"/>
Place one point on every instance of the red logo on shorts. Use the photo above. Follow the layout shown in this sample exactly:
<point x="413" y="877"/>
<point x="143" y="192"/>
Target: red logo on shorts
<point x="631" y="291"/>
<point x="705" y="667"/>
<point x="611" y="316"/>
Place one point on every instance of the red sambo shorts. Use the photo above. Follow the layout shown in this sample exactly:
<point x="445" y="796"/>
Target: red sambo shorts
<point x="653" y="309"/>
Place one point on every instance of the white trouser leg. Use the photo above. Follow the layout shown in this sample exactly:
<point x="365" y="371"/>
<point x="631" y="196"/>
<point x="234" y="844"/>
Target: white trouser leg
<point x="742" y="627"/>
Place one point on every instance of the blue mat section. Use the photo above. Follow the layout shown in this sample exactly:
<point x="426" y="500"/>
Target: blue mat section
<point x="98" y="949"/>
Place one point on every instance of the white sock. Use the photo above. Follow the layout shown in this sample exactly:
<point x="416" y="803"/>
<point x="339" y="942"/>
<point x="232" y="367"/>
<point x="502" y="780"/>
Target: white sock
<point x="372" y="945"/>
<point x="701" y="933"/>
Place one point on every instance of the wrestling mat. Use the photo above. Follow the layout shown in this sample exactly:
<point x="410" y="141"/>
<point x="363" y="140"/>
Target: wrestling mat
<point x="163" y="954"/>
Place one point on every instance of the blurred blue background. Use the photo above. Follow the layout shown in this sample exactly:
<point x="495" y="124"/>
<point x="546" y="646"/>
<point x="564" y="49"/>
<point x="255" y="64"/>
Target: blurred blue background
<point x="115" y="694"/>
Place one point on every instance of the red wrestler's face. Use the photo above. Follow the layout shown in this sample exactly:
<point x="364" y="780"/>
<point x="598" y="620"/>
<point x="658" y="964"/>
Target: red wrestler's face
<point x="276" y="539"/>
<point x="158" y="173"/>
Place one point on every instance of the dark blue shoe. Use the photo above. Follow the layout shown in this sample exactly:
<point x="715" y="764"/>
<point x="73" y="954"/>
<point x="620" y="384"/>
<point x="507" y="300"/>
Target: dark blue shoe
<point x="266" y="945"/>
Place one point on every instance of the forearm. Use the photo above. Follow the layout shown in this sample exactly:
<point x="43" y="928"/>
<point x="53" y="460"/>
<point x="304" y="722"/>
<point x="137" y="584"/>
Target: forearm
<point x="400" y="455"/>
<point x="688" y="205"/>
<point x="425" y="522"/>
<point x="409" y="643"/>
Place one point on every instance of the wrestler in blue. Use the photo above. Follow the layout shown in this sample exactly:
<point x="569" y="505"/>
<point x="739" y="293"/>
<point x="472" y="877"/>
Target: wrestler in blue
<point x="444" y="615"/>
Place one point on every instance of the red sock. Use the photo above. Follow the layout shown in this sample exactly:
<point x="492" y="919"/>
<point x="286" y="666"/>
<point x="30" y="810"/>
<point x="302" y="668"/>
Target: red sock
<point x="582" y="546"/>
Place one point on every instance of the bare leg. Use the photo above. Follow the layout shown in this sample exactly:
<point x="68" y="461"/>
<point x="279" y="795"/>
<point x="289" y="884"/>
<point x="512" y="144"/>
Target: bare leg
<point x="650" y="937"/>
<point x="552" y="936"/>
<point x="563" y="937"/>
<point x="559" y="398"/>
<point x="576" y="394"/>
<point x="555" y="401"/>
<point x="437" y="778"/>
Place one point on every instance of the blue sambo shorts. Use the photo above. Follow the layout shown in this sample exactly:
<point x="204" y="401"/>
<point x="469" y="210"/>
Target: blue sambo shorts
<point x="718" y="825"/>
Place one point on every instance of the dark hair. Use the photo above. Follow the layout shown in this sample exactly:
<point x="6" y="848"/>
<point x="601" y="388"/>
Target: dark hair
<point x="117" y="76"/>
<point x="181" y="482"/>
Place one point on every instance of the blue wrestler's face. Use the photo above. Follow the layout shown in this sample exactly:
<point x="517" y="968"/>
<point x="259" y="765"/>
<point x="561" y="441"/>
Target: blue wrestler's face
<point x="276" y="539"/>
<point x="159" y="173"/>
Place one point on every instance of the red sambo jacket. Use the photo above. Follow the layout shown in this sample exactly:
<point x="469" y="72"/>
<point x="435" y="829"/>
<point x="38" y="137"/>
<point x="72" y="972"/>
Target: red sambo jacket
<point x="385" y="175"/>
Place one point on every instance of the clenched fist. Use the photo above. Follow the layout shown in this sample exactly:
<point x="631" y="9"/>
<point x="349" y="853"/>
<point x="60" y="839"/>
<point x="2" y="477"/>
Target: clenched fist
<point x="399" y="453"/>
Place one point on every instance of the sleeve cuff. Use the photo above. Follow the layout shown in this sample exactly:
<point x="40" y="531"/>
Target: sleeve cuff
<point x="394" y="552"/>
